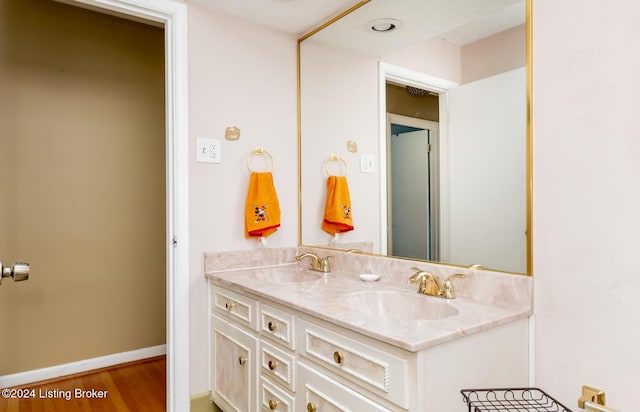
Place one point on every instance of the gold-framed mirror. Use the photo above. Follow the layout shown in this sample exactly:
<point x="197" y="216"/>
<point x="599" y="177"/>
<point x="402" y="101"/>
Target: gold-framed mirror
<point x="433" y="122"/>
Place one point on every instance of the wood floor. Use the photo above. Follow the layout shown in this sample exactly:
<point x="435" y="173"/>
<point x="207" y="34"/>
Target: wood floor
<point x="136" y="386"/>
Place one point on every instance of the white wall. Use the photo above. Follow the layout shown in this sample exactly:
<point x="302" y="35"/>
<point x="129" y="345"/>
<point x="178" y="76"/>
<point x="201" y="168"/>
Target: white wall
<point x="486" y="148"/>
<point x="340" y="103"/>
<point x="245" y="75"/>
<point x="587" y="198"/>
<point x="435" y="57"/>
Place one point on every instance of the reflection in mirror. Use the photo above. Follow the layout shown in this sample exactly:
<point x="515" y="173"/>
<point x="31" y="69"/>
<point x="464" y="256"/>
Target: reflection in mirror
<point x="439" y="104"/>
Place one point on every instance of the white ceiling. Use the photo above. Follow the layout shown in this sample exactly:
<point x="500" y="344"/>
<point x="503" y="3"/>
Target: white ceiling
<point x="291" y="16"/>
<point x="456" y="21"/>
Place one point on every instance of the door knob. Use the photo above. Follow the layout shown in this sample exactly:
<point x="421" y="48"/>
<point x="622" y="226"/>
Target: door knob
<point x="19" y="271"/>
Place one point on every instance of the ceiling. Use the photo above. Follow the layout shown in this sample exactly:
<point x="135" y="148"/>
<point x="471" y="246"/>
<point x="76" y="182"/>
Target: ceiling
<point x="291" y="16"/>
<point x="456" y="21"/>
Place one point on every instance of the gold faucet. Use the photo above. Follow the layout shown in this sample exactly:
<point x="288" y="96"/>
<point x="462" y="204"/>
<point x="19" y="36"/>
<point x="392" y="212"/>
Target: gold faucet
<point x="317" y="263"/>
<point x="429" y="284"/>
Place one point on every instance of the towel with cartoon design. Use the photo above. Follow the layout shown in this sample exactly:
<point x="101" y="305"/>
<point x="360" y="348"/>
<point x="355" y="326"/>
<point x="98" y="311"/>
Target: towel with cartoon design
<point x="337" y="212"/>
<point x="262" y="209"/>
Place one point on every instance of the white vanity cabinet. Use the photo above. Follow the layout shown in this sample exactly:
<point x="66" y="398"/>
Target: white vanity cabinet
<point x="233" y="375"/>
<point x="268" y="357"/>
<point x="234" y="350"/>
<point x="322" y="393"/>
<point x="253" y="366"/>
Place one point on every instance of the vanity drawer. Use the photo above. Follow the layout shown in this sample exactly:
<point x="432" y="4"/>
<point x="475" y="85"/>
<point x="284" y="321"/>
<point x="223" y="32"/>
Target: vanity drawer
<point x="238" y="307"/>
<point x="321" y="393"/>
<point x="277" y="365"/>
<point x="277" y="325"/>
<point x="273" y="398"/>
<point x="374" y="368"/>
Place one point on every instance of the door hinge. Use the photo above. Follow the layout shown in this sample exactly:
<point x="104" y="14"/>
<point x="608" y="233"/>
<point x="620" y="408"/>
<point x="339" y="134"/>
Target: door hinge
<point x="175" y="241"/>
<point x="429" y="148"/>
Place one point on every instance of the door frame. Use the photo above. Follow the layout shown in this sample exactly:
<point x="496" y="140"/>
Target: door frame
<point x="434" y="178"/>
<point x="402" y="75"/>
<point x="172" y="15"/>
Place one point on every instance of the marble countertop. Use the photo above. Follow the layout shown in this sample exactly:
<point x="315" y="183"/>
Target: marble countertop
<point x="335" y="297"/>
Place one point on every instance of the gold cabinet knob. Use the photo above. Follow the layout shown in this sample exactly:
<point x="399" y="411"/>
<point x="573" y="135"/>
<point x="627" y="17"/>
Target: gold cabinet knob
<point x="311" y="407"/>
<point x="242" y="360"/>
<point x="272" y="326"/>
<point x="273" y="404"/>
<point x="273" y="365"/>
<point x="338" y="357"/>
<point x="229" y="305"/>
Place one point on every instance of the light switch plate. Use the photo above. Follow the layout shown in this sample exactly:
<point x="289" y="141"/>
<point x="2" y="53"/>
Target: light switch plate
<point x="208" y="151"/>
<point x="367" y="163"/>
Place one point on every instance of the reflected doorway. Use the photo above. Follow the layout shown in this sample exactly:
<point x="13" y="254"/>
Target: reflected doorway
<point x="412" y="187"/>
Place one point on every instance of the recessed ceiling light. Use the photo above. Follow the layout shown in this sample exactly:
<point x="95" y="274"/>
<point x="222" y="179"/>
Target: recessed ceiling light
<point x="384" y="25"/>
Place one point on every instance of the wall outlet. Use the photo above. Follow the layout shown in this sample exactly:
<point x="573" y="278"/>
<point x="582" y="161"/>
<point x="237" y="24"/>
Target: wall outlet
<point x="367" y="163"/>
<point x="208" y="151"/>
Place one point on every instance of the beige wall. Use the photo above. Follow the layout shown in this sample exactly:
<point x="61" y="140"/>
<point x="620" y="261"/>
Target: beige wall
<point x="587" y="198"/>
<point x="493" y="55"/>
<point x="240" y="74"/>
<point x="82" y="183"/>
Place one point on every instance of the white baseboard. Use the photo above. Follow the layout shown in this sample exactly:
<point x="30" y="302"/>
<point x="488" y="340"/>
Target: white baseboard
<point x="57" y="371"/>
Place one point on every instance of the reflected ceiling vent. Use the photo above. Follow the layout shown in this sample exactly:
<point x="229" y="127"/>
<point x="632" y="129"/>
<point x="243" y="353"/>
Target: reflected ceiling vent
<point x="384" y="25"/>
<point x="418" y="92"/>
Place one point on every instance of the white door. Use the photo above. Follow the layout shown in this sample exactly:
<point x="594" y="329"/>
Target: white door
<point x="487" y="192"/>
<point x="413" y="188"/>
<point x="410" y="194"/>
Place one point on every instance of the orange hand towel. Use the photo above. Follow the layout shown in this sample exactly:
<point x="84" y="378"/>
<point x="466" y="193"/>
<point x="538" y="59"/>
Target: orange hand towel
<point x="262" y="209"/>
<point x="337" y="212"/>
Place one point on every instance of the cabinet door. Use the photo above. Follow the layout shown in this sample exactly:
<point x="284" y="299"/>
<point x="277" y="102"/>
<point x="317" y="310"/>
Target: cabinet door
<point x="233" y="373"/>
<point x="321" y="393"/>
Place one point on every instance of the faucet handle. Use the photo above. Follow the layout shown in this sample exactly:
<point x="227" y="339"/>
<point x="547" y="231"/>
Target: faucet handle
<point x="447" y="287"/>
<point x="324" y="264"/>
<point x="415" y="278"/>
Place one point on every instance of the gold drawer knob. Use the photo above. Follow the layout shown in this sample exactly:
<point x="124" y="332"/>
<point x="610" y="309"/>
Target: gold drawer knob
<point x="273" y="365"/>
<point x="272" y="326"/>
<point x="311" y="407"/>
<point x="242" y="360"/>
<point x="229" y="305"/>
<point x="338" y="357"/>
<point x="273" y="404"/>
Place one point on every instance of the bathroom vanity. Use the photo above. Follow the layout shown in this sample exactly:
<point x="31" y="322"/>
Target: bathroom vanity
<point x="284" y="338"/>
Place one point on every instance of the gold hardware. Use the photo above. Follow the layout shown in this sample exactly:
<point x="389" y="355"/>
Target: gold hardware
<point x="447" y="286"/>
<point x="242" y="360"/>
<point x="272" y="326"/>
<point x="336" y="158"/>
<point x="338" y="357"/>
<point x="232" y="133"/>
<point x="318" y="264"/>
<point x="311" y="407"/>
<point x="429" y="284"/>
<point x="273" y="365"/>
<point x="593" y="395"/>
<point x="273" y="404"/>
<point x="258" y="151"/>
<point x="229" y="305"/>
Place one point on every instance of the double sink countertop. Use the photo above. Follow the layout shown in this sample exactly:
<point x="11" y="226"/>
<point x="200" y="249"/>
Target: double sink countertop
<point x="389" y="309"/>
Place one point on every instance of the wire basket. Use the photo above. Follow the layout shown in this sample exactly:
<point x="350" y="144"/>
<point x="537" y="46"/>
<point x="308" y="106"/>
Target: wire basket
<point x="512" y="400"/>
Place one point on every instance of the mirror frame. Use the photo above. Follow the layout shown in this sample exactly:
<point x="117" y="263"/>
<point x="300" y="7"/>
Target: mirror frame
<point x="528" y="144"/>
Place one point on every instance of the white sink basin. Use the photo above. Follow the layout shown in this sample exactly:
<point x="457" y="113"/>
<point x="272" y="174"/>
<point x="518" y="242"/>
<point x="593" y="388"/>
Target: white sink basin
<point x="285" y="275"/>
<point x="395" y="305"/>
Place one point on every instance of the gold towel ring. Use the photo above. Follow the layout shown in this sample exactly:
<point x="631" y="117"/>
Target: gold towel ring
<point x="258" y="151"/>
<point x="336" y="158"/>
